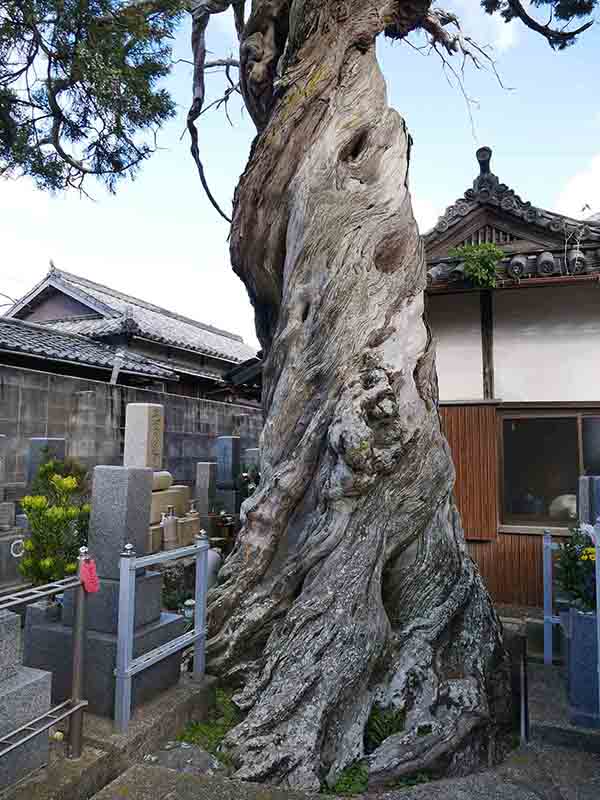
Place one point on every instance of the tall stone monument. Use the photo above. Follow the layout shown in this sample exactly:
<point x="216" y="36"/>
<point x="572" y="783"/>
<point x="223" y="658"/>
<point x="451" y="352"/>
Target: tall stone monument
<point x="24" y="696"/>
<point x="228" y="473"/>
<point x="121" y="500"/>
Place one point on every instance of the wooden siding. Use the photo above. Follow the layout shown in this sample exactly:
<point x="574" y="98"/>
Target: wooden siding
<point x="512" y="568"/>
<point x="471" y="431"/>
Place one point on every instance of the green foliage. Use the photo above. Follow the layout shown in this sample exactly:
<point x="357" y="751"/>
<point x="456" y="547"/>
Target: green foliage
<point x="210" y="734"/>
<point x="79" y="87"/>
<point x="576" y="570"/>
<point x="353" y="780"/>
<point x="58" y="529"/>
<point x="481" y="261"/>
<point x="382" y="723"/>
<point x="43" y="485"/>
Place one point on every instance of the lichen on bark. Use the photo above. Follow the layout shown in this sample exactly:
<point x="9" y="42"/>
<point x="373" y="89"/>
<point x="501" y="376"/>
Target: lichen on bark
<point x="350" y="586"/>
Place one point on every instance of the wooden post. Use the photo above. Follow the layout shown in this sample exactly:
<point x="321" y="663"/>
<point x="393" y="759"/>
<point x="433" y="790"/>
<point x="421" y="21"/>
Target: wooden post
<point x="487" y="342"/>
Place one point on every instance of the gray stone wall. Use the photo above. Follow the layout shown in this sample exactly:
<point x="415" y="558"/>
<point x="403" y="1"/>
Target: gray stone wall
<point x="91" y="417"/>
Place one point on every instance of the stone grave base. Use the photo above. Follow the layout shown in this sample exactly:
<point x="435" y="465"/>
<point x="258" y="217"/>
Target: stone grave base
<point x="102" y="608"/>
<point x="23" y="697"/>
<point x="49" y="644"/>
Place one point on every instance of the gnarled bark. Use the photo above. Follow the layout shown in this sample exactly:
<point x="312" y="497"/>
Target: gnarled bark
<point x="350" y="585"/>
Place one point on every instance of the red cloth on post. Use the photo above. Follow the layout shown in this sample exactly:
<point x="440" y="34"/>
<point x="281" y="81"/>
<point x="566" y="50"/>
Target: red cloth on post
<point x="89" y="577"/>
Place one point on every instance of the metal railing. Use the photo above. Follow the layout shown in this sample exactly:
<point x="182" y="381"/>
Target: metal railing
<point x="73" y="708"/>
<point x="127" y="666"/>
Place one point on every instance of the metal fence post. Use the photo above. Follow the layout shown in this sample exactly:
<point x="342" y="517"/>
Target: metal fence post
<point x="548" y="598"/>
<point x="524" y="690"/>
<point x="597" y="546"/>
<point x="125" y="638"/>
<point x="76" y="721"/>
<point x="200" y="607"/>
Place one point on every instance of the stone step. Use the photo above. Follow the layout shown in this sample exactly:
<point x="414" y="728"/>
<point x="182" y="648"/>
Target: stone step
<point x="145" y="781"/>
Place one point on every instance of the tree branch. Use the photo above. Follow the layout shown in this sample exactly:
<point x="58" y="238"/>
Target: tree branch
<point x="555" y="38"/>
<point x="202" y="10"/>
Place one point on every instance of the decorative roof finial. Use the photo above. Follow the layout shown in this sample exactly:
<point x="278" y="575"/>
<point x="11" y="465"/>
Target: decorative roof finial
<point x="484" y="156"/>
<point x="52" y="267"/>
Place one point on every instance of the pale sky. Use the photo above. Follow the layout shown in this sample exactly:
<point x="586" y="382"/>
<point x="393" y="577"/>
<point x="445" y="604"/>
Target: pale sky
<point x="159" y="238"/>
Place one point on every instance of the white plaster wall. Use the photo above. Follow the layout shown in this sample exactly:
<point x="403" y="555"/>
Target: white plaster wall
<point x="547" y="344"/>
<point x="456" y="326"/>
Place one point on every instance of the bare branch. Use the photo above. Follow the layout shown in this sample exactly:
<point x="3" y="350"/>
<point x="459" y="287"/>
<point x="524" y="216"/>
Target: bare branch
<point x="436" y="24"/>
<point x="202" y="10"/>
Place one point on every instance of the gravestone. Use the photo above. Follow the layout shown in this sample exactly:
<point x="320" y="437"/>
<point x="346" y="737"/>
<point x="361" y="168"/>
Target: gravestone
<point x="144" y="434"/>
<point x="206" y="487"/>
<point x="3" y="449"/>
<point x="252" y="459"/>
<point x="121" y="498"/>
<point x="24" y="695"/>
<point x="588" y="500"/>
<point x="40" y="450"/>
<point x="228" y="473"/>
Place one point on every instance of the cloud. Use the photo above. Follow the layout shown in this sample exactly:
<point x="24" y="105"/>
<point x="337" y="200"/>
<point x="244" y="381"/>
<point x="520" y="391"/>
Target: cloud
<point x="581" y="190"/>
<point x="484" y="28"/>
<point x="426" y="213"/>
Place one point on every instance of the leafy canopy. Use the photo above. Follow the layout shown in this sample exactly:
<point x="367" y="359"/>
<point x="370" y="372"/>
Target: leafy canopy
<point x="80" y="80"/>
<point x="79" y="87"/>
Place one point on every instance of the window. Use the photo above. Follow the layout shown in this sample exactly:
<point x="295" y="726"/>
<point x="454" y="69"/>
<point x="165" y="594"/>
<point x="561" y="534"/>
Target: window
<point x="590" y="430"/>
<point x="541" y="469"/>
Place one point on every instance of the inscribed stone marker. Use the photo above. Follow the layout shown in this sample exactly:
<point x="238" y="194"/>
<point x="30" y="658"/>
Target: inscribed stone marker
<point x="144" y="432"/>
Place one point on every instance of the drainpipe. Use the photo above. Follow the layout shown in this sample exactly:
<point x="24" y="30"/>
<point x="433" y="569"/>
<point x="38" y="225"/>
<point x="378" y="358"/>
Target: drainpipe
<point x="117" y="366"/>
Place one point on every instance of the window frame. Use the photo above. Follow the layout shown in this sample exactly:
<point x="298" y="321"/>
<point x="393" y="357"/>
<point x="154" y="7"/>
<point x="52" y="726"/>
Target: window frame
<point x="508" y="411"/>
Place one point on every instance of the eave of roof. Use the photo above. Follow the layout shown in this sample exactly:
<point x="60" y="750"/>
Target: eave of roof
<point x="30" y="339"/>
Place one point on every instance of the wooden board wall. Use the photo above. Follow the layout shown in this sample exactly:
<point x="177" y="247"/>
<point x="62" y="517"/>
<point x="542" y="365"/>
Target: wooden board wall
<point x="471" y="431"/>
<point x="512" y="568"/>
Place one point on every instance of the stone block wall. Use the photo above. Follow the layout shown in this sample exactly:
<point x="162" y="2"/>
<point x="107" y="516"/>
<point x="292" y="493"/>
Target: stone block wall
<point x="91" y="417"/>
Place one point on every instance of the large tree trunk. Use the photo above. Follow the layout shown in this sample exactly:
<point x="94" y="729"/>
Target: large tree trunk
<point x="350" y="586"/>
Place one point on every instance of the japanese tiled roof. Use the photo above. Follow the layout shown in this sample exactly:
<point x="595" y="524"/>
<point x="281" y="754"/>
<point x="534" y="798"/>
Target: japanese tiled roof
<point x="44" y="342"/>
<point x="116" y="312"/>
<point x="488" y="190"/>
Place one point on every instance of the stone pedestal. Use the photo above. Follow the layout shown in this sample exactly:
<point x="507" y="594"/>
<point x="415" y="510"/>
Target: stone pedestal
<point x="40" y="450"/>
<point x="120" y="513"/>
<point x="24" y="695"/>
<point x="52" y="640"/>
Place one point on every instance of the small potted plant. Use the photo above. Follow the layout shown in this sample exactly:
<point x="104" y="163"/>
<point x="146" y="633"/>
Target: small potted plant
<point x="576" y="578"/>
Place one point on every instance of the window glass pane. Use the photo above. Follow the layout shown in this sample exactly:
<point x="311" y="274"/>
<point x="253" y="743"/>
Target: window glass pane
<point x="540" y="471"/>
<point x="591" y="445"/>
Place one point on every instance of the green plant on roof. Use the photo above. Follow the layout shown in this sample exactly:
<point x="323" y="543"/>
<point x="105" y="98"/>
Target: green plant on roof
<point x="480" y="262"/>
